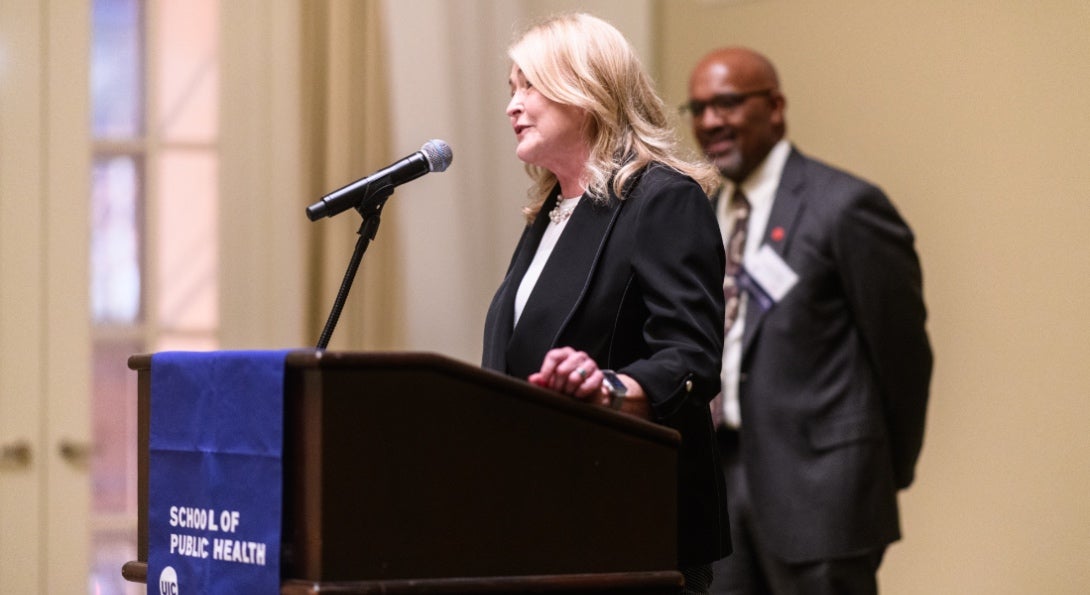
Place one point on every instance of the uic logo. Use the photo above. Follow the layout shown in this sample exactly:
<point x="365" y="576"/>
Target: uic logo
<point x="168" y="581"/>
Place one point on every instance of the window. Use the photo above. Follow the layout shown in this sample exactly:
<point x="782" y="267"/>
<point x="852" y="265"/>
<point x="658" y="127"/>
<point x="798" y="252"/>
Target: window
<point x="154" y="239"/>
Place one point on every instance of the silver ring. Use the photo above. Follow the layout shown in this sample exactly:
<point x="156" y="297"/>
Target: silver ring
<point x="581" y="372"/>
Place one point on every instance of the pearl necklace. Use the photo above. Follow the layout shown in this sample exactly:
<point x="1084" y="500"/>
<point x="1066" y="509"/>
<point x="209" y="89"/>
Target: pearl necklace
<point x="559" y="214"/>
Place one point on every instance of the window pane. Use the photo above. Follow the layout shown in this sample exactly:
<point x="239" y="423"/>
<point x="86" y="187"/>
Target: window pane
<point x="187" y="342"/>
<point x="116" y="78"/>
<point x="115" y="241"/>
<point x="188" y="70"/>
<point x="112" y="548"/>
<point x="113" y="464"/>
<point x="188" y="242"/>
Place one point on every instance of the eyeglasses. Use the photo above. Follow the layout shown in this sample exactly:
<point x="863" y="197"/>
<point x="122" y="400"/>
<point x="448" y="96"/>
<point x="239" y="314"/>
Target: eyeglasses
<point x="722" y="105"/>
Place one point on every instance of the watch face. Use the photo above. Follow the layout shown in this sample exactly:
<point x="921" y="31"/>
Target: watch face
<point x="613" y="383"/>
<point x="615" y="387"/>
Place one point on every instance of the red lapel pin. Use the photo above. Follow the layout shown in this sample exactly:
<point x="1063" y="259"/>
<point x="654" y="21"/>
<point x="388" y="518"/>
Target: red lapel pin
<point x="777" y="234"/>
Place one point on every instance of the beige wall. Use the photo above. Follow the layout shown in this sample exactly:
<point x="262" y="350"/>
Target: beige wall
<point x="972" y="115"/>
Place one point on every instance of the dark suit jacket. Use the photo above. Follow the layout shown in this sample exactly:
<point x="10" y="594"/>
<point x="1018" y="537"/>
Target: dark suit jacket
<point x="637" y="284"/>
<point x="835" y="378"/>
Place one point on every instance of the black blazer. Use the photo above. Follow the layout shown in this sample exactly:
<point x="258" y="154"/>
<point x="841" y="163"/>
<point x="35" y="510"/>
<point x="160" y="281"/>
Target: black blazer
<point x="637" y="284"/>
<point x="835" y="377"/>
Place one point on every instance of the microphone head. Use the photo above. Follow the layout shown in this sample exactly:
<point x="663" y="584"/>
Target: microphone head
<point x="438" y="154"/>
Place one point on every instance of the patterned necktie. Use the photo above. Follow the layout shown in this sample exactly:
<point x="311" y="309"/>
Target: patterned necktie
<point x="735" y="247"/>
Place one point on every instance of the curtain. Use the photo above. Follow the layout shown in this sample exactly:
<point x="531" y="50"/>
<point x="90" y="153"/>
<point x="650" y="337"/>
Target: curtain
<point x="346" y="135"/>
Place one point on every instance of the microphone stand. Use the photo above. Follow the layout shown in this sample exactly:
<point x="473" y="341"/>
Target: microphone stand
<point x="375" y="199"/>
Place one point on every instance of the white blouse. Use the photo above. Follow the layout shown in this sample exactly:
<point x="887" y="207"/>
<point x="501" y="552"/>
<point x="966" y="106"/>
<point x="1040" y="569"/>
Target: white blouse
<point x="544" y="250"/>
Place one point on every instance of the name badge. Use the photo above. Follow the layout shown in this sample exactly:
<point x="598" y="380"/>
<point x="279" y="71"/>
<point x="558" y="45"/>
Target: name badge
<point x="767" y="277"/>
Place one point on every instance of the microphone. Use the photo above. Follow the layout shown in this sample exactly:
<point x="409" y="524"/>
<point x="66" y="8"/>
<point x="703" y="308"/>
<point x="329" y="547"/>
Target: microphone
<point x="435" y="155"/>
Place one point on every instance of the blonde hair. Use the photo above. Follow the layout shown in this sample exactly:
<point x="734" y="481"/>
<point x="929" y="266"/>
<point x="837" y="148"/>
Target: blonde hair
<point x="580" y="60"/>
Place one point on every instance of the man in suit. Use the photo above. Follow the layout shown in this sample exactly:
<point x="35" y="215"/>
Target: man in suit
<point x="827" y="363"/>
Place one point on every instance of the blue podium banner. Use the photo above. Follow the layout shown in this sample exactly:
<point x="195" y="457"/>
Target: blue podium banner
<point x="215" y="472"/>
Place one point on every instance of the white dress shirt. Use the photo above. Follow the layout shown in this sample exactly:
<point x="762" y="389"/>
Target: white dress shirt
<point x="760" y="189"/>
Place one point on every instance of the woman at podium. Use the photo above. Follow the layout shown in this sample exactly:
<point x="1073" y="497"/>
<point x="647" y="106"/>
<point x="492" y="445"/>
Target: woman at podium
<point x="614" y="294"/>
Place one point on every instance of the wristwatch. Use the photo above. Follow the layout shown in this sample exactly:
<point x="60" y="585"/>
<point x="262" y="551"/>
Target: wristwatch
<point x="615" y="388"/>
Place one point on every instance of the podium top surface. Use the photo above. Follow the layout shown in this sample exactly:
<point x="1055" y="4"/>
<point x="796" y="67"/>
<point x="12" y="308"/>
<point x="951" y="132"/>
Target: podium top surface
<point x="316" y="360"/>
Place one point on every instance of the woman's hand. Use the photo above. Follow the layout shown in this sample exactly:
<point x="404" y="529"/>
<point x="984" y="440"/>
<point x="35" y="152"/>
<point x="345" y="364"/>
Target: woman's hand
<point x="570" y="372"/>
<point x="574" y="373"/>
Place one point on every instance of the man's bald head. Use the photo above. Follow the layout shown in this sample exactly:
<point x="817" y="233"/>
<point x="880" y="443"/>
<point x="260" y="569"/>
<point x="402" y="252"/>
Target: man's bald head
<point x="737" y="109"/>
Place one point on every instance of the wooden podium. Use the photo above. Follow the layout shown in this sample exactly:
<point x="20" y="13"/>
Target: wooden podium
<point x="414" y="473"/>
